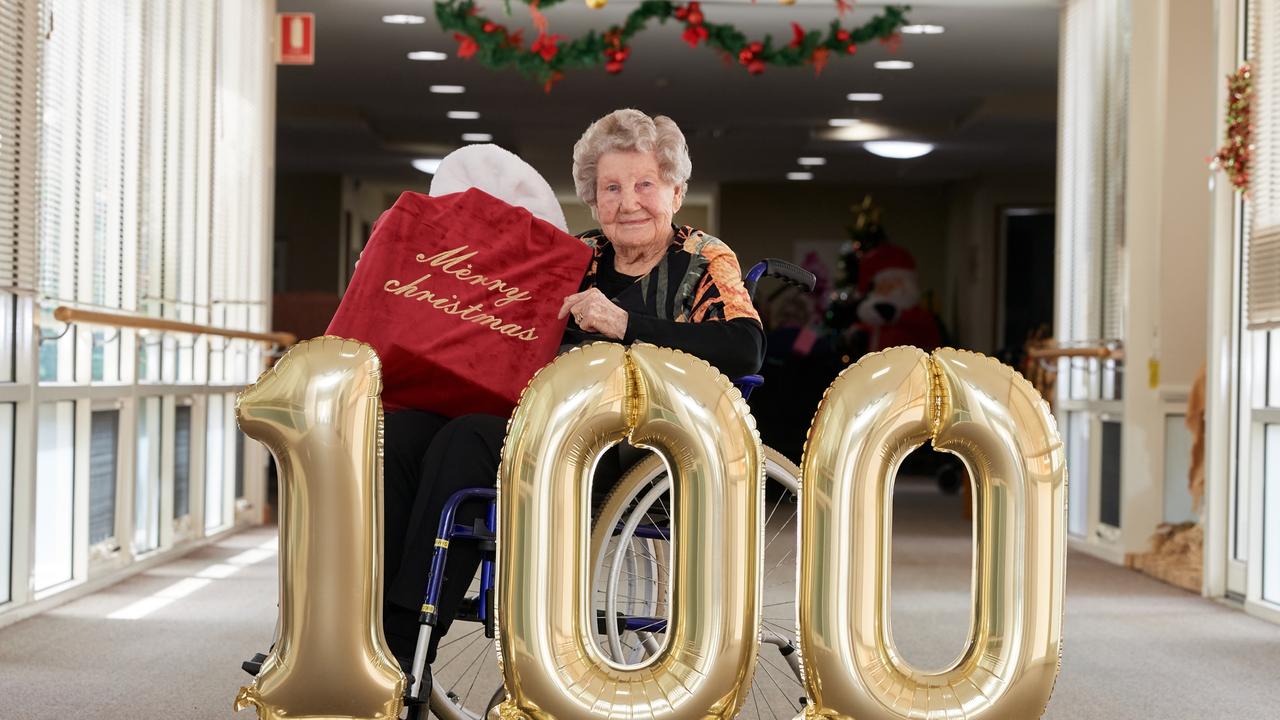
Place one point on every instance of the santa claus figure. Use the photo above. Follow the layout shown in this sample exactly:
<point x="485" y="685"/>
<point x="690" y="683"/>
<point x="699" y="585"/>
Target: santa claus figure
<point x="889" y="311"/>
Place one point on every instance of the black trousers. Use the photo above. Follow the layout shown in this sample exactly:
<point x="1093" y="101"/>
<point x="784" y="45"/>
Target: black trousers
<point x="426" y="459"/>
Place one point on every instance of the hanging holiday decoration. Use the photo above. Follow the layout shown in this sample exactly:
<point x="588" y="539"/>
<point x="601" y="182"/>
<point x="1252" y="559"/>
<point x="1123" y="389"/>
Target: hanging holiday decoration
<point x="549" y="56"/>
<point x="1234" y="157"/>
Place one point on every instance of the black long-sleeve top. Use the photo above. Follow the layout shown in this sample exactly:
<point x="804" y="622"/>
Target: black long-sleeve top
<point x="693" y="300"/>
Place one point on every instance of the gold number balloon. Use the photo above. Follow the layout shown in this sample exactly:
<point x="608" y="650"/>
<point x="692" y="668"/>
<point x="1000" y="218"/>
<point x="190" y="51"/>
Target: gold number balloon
<point x="318" y="411"/>
<point x="872" y="416"/>
<point x="683" y="409"/>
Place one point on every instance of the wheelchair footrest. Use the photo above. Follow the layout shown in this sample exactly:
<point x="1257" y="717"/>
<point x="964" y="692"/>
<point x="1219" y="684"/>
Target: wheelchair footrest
<point x="253" y="666"/>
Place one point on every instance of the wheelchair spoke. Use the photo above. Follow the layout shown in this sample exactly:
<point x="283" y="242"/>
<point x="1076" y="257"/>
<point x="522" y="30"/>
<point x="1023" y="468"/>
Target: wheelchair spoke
<point x="764" y="665"/>
<point x="755" y="696"/>
<point x="777" y="535"/>
<point x="787" y="632"/>
<point x="458" y="654"/>
<point x="663" y="505"/>
<point x="474" y="677"/>
<point x="457" y="640"/>
<point x="777" y="565"/>
<point x="772" y="510"/>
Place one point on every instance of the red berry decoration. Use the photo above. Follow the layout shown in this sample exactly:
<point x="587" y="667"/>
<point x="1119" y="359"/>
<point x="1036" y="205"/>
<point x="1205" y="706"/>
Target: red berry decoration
<point x="694" y="30"/>
<point x="489" y="26"/>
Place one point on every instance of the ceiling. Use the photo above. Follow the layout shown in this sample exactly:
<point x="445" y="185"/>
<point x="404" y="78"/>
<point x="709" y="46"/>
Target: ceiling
<point x="984" y="92"/>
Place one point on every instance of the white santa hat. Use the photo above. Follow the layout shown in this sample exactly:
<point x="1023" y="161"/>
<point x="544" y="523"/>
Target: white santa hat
<point x="503" y="175"/>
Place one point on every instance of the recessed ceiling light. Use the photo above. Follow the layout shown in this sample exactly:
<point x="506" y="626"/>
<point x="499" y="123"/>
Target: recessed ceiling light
<point x="895" y="65"/>
<point x="448" y="89"/>
<point x="843" y="122"/>
<point x="811" y="161"/>
<point x="865" y="97"/>
<point x="428" y="55"/>
<point x="856" y="133"/>
<point x="476" y="137"/>
<point x="406" y="19"/>
<point x="923" y="29"/>
<point x="897" y="149"/>
<point x="464" y="115"/>
<point x="799" y="176"/>
<point x="427" y="165"/>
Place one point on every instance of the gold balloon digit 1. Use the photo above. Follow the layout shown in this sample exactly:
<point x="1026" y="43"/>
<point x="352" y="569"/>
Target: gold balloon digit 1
<point x="872" y="416"/>
<point x="318" y="410"/>
<point x="683" y="409"/>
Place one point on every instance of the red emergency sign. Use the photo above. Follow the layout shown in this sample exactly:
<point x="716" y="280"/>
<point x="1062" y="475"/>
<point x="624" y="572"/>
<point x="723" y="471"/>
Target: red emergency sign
<point x="296" y="38"/>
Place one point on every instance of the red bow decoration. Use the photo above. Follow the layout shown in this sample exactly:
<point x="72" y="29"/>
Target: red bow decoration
<point x="545" y="46"/>
<point x="798" y="33"/>
<point x="616" y="53"/>
<point x="555" y="77"/>
<point x="819" y="60"/>
<point x="467" y="46"/>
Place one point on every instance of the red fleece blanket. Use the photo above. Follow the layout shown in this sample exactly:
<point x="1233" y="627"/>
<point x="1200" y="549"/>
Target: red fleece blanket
<point x="458" y="295"/>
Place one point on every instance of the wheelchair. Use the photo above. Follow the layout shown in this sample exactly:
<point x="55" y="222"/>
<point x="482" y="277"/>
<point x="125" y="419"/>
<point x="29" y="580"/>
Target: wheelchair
<point x="631" y="561"/>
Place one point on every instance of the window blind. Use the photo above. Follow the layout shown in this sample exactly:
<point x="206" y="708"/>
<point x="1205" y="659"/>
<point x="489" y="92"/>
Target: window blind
<point x="1091" y="176"/>
<point x="1263" y="244"/>
<point x="19" y="65"/>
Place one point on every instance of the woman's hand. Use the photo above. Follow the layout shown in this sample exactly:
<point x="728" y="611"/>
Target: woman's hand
<point x="596" y="313"/>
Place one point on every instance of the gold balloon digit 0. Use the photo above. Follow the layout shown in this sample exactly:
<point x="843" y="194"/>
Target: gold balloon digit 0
<point x="318" y="411"/>
<point x="872" y="416"/>
<point x="686" y="411"/>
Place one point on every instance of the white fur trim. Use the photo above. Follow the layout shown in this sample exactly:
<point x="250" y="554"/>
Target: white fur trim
<point x="896" y="273"/>
<point x="501" y="174"/>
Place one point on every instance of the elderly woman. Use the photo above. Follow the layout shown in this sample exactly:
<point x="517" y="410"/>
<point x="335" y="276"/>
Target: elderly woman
<point x="650" y="280"/>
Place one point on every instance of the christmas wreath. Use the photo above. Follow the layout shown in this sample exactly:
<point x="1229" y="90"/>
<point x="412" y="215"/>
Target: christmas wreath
<point x="548" y="56"/>
<point x="1235" y="155"/>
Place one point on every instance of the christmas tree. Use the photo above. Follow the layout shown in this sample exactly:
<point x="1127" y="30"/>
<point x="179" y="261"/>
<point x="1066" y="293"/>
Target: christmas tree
<point x="865" y="233"/>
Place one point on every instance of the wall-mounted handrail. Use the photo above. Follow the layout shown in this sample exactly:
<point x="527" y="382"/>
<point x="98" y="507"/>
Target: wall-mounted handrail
<point x="1053" y="352"/>
<point x="89" y="317"/>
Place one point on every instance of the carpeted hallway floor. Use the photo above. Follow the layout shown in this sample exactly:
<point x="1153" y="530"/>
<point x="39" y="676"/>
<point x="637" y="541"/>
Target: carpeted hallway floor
<point x="168" y="643"/>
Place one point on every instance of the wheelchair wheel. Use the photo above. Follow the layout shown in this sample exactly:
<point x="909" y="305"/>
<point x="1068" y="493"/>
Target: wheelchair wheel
<point x="631" y="576"/>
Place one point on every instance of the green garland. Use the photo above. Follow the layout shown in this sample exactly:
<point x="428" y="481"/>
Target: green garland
<point x="549" y="56"/>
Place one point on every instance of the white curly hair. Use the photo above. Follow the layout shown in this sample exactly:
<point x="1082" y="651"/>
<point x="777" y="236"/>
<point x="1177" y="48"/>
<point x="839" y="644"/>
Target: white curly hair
<point x="629" y="130"/>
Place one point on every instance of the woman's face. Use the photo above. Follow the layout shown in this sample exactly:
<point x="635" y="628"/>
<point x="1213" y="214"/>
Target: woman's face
<point x="633" y="203"/>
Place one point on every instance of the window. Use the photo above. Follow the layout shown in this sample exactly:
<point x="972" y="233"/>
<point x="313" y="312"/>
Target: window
<point x="215" y="463"/>
<point x="181" y="461"/>
<point x="6" y="501"/>
<point x="1109" y="476"/>
<point x="146" y="493"/>
<point x="239" y="464"/>
<point x="55" y="495"/>
<point x="104" y="432"/>
<point x="1271" y="516"/>
<point x="1078" y="472"/>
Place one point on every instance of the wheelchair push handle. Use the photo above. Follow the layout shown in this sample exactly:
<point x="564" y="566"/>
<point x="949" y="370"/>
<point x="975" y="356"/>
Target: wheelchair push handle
<point x="789" y="273"/>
